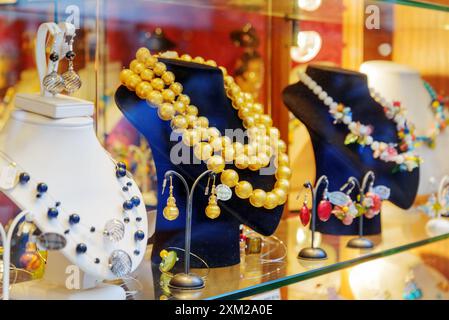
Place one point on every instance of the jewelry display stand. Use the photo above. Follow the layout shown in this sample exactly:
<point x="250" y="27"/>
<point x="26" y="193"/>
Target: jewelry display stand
<point x="440" y="225"/>
<point x="55" y="141"/>
<point x="396" y="82"/>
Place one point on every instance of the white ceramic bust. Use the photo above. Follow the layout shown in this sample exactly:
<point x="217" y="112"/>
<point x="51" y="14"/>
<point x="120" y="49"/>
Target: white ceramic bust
<point x="396" y="82"/>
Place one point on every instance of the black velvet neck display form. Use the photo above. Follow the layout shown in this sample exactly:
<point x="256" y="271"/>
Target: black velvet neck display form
<point x="339" y="161"/>
<point x="216" y="241"/>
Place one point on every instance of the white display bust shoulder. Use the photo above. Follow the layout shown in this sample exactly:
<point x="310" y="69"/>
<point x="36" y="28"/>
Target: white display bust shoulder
<point x="396" y="82"/>
<point x="66" y="155"/>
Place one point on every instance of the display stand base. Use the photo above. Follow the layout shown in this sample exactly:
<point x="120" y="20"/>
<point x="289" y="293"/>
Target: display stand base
<point x="360" y="243"/>
<point x="44" y="290"/>
<point x="312" y="254"/>
<point x="57" y="107"/>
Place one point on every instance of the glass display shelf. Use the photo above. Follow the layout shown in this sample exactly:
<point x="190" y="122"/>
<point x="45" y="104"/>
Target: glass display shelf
<point x="401" y="231"/>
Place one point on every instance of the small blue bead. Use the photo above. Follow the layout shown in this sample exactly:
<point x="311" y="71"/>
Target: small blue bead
<point x="126" y="220"/>
<point x="128" y="205"/>
<point x="129" y="184"/>
<point x="139" y="235"/>
<point x="81" y="248"/>
<point x="92" y="229"/>
<point x="121" y="165"/>
<point x="136" y="252"/>
<point x="120" y="172"/>
<point x="97" y="261"/>
<point x="125" y="189"/>
<point x="74" y="218"/>
<point x="138" y="219"/>
<point x="24" y="178"/>
<point x="136" y="201"/>
<point x="52" y="213"/>
<point x="67" y="231"/>
<point x="42" y="187"/>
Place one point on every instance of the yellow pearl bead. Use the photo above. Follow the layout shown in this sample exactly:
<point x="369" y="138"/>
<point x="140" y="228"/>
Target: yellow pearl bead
<point x="223" y="70"/>
<point x="176" y="87"/>
<point x="170" y="212"/>
<point x="143" y="89"/>
<point x="136" y="66"/>
<point x="216" y="143"/>
<point x="202" y="122"/>
<point x="257" y="198"/>
<point x="204" y="134"/>
<point x="191" y="120"/>
<point x="179" y="122"/>
<point x="186" y="57"/>
<point x="238" y="103"/>
<point x="249" y="122"/>
<point x="166" y="111"/>
<point x="216" y="164"/>
<point x="191" y="109"/>
<point x="147" y="75"/>
<point x="274" y="133"/>
<point x="271" y="201"/>
<point x="282" y="195"/>
<point x="154" y="98"/>
<point x="249" y="149"/>
<point x="282" y="147"/>
<point x="168" y="77"/>
<point x="229" y="177"/>
<point x="283" y="172"/>
<point x="179" y="106"/>
<point x="257" y="108"/>
<point x="150" y="61"/>
<point x="254" y="163"/>
<point x="142" y="54"/>
<point x="203" y="151"/>
<point x="213" y="132"/>
<point x="228" y="153"/>
<point x="282" y="160"/>
<point x="228" y="80"/>
<point x="241" y="162"/>
<point x="124" y="75"/>
<point x="199" y="60"/>
<point x="283" y="184"/>
<point x="211" y="63"/>
<point x="266" y="120"/>
<point x="244" y="112"/>
<point x="243" y="189"/>
<point x="239" y="149"/>
<point x="157" y="84"/>
<point x="168" y="95"/>
<point x="159" y="68"/>
<point x="264" y="160"/>
<point x="133" y="82"/>
<point x="248" y="97"/>
<point x="213" y="211"/>
<point x="191" y="137"/>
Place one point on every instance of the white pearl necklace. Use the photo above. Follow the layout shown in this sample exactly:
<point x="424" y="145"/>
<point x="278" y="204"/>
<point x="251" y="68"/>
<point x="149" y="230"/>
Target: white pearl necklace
<point x="404" y="159"/>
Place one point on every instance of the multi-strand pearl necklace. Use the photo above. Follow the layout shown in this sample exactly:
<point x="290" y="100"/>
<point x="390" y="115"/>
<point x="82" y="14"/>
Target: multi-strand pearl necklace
<point x="149" y="79"/>
<point x="70" y="224"/>
<point x="404" y="158"/>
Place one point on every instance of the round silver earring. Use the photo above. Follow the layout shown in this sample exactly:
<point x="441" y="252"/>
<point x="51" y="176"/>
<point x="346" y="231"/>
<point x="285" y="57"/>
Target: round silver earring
<point x="72" y="80"/>
<point x="53" y="82"/>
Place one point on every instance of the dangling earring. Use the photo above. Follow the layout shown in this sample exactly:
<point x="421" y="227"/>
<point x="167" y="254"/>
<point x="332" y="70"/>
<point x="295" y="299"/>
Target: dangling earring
<point x="72" y="80"/>
<point x="304" y="213"/>
<point x="53" y="82"/>
<point x="171" y="211"/>
<point x="411" y="289"/>
<point x="212" y="209"/>
<point x="324" y="209"/>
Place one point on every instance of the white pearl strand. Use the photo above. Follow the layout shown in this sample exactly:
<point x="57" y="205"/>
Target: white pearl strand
<point x="362" y="130"/>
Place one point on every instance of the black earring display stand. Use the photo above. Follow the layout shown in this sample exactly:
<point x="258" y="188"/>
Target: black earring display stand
<point x="339" y="161"/>
<point x="216" y="241"/>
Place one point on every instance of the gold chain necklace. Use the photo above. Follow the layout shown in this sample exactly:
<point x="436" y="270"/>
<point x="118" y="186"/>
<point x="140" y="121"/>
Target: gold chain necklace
<point x="149" y="79"/>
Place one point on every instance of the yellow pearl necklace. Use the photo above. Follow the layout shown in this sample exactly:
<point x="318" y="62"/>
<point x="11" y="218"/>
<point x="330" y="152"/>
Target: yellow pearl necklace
<point x="149" y="79"/>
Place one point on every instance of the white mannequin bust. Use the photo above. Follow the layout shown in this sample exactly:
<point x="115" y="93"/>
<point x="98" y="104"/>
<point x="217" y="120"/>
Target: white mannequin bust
<point x="397" y="82"/>
<point x="63" y="152"/>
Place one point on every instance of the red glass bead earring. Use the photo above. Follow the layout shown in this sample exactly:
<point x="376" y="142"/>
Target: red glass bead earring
<point x="324" y="209"/>
<point x="304" y="213"/>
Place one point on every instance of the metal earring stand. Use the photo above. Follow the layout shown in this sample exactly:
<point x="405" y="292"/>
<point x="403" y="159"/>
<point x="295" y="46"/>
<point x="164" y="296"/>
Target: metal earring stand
<point x="186" y="280"/>
<point x="361" y="242"/>
<point x="314" y="253"/>
<point x="6" y="238"/>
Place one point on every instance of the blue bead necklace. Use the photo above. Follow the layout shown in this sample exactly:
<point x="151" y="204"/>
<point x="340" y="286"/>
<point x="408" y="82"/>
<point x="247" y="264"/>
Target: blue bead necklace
<point x="119" y="261"/>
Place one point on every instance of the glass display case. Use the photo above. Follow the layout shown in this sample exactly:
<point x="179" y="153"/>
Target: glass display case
<point x="396" y="49"/>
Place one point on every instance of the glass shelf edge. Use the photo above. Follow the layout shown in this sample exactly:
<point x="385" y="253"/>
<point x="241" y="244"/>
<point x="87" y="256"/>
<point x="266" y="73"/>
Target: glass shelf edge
<point x="288" y="280"/>
<point x="419" y="4"/>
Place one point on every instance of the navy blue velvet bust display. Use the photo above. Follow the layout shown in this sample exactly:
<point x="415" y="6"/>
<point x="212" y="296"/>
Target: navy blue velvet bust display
<point x="339" y="161"/>
<point x="216" y="241"/>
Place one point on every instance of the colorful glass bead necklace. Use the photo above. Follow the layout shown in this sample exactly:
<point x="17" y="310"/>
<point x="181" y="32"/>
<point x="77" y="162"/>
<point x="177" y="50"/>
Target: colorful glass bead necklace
<point x="149" y="79"/>
<point x="440" y="119"/>
<point x="119" y="261"/>
<point x="404" y="158"/>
